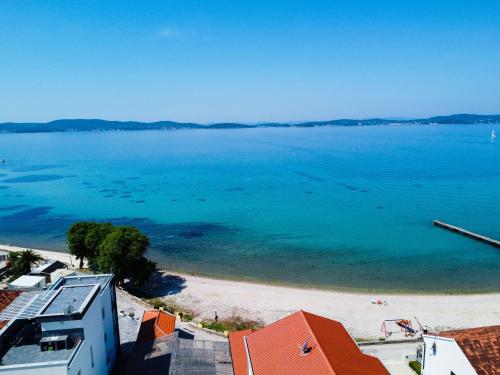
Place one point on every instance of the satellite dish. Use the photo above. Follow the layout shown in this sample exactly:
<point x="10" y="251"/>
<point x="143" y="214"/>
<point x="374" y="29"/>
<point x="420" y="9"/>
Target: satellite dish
<point x="305" y="349"/>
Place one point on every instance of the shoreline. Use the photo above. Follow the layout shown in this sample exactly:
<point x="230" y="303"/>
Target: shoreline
<point x="65" y="257"/>
<point x="355" y="310"/>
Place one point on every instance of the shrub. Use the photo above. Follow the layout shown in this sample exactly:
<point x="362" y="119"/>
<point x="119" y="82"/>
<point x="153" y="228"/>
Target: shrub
<point x="415" y="366"/>
<point x="156" y="303"/>
<point x="187" y="317"/>
<point x="233" y="323"/>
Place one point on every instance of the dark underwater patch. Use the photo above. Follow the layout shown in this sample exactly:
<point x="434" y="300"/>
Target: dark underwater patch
<point x="309" y="176"/>
<point x="32" y="178"/>
<point x="190" y="234"/>
<point x="13" y="208"/>
<point x="37" y="167"/>
<point x="29" y="214"/>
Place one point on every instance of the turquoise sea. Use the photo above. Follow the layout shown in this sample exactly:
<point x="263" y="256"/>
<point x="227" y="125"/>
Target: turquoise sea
<point x="337" y="207"/>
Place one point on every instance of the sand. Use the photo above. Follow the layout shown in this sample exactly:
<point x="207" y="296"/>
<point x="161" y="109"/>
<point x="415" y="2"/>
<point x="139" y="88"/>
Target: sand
<point x="362" y="318"/>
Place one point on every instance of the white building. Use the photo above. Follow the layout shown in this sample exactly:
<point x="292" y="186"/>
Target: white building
<point x="71" y="329"/>
<point x="474" y="351"/>
<point x="28" y="282"/>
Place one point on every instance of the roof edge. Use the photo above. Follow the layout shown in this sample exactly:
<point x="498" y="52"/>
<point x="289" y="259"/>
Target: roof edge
<point x="301" y="312"/>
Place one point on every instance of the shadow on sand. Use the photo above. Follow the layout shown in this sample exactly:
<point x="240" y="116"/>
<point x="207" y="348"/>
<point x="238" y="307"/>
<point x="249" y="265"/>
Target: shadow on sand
<point x="163" y="284"/>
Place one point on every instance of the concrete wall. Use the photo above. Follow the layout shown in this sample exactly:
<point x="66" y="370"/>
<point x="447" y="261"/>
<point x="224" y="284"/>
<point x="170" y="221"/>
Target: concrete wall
<point x="448" y="357"/>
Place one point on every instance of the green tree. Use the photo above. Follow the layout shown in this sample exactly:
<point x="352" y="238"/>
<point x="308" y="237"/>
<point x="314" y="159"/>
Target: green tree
<point x="96" y="233"/>
<point x="76" y="239"/>
<point x="20" y="262"/>
<point x="122" y="253"/>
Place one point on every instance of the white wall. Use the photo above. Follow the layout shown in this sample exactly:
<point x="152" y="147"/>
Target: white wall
<point x="447" y="358"/>
<point x="35" y="369"/>
<point x="107" y="304"/>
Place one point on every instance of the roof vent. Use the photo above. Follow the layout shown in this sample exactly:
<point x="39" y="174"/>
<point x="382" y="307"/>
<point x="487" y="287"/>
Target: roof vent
<point x="305" y="349"/>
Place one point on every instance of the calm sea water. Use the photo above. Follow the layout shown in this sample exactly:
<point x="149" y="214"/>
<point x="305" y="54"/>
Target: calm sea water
<point x="334" y="207"/>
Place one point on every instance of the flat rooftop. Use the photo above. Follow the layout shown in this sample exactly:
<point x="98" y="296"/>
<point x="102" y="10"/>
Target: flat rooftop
<point x="70" y="299"/>
<point x="27" y="281"/>
<point x="31" y="353"/>
<point x="102" y="280"/>
<point x="28" y="350"/>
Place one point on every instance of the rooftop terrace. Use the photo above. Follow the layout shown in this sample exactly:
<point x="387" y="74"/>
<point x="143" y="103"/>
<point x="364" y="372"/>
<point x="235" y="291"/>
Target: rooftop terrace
<point x="102" y="280"/>
<point x="70" y="299"/>
<point x="29" y="350"/>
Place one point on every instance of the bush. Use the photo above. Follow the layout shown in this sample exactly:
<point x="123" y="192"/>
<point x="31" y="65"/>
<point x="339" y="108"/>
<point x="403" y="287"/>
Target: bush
<point x="415" y="366"/>
<point x="233" y="323"/>
<point x="167" y="305"/>
<point x="187" y="317"/>
<point x="156" y="303"/>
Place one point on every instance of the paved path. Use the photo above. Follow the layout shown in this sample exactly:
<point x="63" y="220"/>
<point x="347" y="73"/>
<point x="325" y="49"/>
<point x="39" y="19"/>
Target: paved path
<point x="393" y="356"/>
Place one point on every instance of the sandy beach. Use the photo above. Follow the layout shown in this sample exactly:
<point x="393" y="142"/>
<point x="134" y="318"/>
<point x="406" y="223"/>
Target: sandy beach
<point x="356" y="311"/>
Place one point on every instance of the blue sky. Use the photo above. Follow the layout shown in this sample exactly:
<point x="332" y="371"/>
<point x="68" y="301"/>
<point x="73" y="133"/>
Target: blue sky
<point x="247" y="61"/>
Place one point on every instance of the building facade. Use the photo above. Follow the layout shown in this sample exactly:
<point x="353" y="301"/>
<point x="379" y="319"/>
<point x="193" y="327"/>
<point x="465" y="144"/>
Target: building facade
<point x="71" y="329"/>
<point x="474" y="351"/>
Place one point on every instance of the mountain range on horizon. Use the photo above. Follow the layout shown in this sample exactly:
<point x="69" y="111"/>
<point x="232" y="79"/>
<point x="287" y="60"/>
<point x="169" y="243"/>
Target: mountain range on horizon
<point x="68" y="125"/>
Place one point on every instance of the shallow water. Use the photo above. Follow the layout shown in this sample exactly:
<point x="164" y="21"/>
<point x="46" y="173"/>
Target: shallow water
<point x="331" y="207"/>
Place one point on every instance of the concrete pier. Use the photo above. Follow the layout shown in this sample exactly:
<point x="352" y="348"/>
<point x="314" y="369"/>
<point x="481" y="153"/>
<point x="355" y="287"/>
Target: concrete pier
<point x="467" y="233"/>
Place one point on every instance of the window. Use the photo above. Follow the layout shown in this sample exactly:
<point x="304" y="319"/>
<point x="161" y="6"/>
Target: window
<point x="103" y="313"/>
<point x="91" y="356"/>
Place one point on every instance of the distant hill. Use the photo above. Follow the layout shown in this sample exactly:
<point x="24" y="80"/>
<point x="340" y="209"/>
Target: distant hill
<point x="104" y="125"/>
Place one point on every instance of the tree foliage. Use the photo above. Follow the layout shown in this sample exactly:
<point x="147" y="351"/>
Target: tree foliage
<point x="119" y="250"/>
<point x="76" y="237"/>
<point x="122" y="253"/>
<point x="20" y="262"/>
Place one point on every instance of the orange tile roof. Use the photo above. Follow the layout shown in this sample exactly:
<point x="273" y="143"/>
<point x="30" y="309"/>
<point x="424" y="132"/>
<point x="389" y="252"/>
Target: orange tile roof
<point x="481" y="346"/>
<point x="155" y="324"/>
<point x="239" y="351"/>
<point x="6" y="298"/>
<point x="276" y="349"/>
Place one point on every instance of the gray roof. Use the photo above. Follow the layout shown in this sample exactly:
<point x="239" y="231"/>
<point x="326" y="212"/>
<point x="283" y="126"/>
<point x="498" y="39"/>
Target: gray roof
<point x="201" y="357"/>
<point x="84" y="280"/>
<point x="75" y="298"/>
<point x="32" y="354"/>
<point x="48" y="267"/>
<point x="175" y="356"/>
<point x="27" y="350"/>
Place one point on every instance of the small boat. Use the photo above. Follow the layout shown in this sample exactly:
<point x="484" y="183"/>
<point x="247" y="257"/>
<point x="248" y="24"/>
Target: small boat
<point x="493" y="135"/>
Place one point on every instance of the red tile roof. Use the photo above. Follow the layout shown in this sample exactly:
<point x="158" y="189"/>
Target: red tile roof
<point x="239" y="351"/>
<point x="155" y="324"/>
<point x="481" y="346"/>
<point x="276" y="349"/>
<point x="6" y="298"/>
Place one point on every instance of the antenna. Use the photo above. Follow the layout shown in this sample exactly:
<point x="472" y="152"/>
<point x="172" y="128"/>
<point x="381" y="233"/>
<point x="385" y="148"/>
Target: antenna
<point x="305" y="349"/>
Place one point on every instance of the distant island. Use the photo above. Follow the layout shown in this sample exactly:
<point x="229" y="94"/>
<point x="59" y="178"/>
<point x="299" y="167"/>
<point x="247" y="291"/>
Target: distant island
<point x="74" y="125"/>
